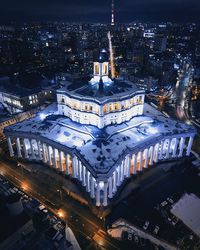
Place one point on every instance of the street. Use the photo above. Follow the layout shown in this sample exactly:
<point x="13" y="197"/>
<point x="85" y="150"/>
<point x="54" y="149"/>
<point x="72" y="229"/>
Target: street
<point x="84" y="224"/>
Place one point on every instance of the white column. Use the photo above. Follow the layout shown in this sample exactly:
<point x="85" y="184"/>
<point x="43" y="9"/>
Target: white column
<point x="79" y="171"/>
<point x="175" y="147"/>
<point x="114" y="181"/>
<point x="44" y="153"/>
<point x="19" y="154"/>
<point x="83" y="176"/>
<point x="108" y="107"/>
<point x="124" y="167"/>
<point x="32" y="150"/>
<point x="105" y="194"/>
<point x="121" y="170"/>
<point x="39" y="150"/>
<point x="189" y="147"/>
<point x="134" y="164"/>
<point x="25" y="150"/>
<point x="140" y="160"/>
<point x="74" y="166"/>
<point x="87" y="181"/>
<point x="118" y="176"/>
<point x="92" y="194"/>
<point x="110" y="188"/>
<point x="170" y="146"/>
<point x="161" y="150"/>
<point x="54" y="158"/>
<point x="181" y="147"/>
<point x="48" y="155"/>
<point x="61" y="161"/>
<point x="156" y="153"/>
<point x="128" y="165"/>
<point x="98" y="195"/>
<point x="146" y="158"/>
<point x="67" y="164"/>
<point x="10" y="147"/>
<point x="151" y="155"/>
<point x="168" y="149"/>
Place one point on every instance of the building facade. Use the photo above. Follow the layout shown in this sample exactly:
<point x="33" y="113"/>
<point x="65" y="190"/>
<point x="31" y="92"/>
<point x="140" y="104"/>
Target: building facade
<point x="100" y="132"/>
<point x="17" y="99"/>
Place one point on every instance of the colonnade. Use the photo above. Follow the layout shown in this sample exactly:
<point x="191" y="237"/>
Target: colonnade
<point x="33" y="149"/>
<point x="99" y="190"/>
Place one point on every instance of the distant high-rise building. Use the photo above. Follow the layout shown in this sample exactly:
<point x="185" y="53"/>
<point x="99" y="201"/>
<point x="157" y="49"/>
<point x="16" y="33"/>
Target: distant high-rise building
<point x="160" y="43"/>
<point x="113" y="13"/>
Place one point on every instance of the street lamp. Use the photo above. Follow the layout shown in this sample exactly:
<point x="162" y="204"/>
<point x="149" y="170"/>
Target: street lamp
<point x="60" y="192"/>
<point x="61" y="213"/>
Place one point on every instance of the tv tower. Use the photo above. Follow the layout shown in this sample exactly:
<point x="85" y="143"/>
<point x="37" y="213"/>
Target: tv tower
<point x="113" y="13"/>
<point x="112" y="60"/>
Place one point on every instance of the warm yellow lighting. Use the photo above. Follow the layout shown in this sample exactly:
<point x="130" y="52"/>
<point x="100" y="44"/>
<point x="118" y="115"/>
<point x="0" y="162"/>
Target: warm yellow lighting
<point x="24" y="186"/>
<point x="61" y="213"/>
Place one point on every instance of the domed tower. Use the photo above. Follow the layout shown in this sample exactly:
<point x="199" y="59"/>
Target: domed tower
<point x="101" y="101"/>
<point x="101" y="69"/>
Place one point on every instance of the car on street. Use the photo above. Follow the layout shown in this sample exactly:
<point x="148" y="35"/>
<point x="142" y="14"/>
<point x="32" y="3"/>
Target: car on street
<point x="170" y="200"/>
<point x="164" y="203"/>
<point x="156" y="230"/>
<point x="146" y="225"/>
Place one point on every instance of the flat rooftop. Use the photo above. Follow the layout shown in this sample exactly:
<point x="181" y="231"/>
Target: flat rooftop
<point x="187" y="209"/>
<point x="14" y="88"/>
<point x="101" y="148"/>
<point x="116" y="89"/>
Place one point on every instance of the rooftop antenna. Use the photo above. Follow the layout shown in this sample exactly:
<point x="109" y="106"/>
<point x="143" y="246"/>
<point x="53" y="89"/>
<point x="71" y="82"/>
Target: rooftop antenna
<point x="113" y="13"/>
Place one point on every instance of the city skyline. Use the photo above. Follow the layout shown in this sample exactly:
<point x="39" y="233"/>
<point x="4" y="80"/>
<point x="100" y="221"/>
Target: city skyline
<point x="90" y="11"/>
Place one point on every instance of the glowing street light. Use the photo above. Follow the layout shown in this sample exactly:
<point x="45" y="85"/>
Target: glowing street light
<point x="25" y="186"/>
<point x="61" y="213"/>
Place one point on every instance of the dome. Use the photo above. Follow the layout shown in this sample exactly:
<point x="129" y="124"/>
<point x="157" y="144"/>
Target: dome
<point x="103" y="56"/>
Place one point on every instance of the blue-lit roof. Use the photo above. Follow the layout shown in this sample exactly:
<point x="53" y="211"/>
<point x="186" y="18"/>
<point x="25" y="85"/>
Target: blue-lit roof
<point x="101" y="149"/>
<point x="116" y="89"/>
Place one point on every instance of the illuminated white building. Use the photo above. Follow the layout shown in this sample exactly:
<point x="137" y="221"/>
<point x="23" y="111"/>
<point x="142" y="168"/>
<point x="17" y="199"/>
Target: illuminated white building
<point x="100" y="132"/>
<point x="101" y="102"/>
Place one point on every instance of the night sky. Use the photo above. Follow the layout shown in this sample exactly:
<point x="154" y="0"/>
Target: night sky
<point x="99" y="11"/>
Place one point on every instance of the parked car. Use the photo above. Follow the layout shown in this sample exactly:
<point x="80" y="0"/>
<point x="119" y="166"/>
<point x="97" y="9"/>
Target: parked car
<point x="174" y="221"/>
<point x="130" y="236"/>
<point x="156" y="230"/>
<point x="136" y="239"/>
<point x="164" y="203"/>
<point x="146" y="225"/>
<point x="170" y="200"/>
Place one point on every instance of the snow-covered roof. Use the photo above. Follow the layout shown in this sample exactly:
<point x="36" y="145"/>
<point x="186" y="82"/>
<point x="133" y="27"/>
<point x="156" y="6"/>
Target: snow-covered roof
<point x="115" y="89"/>
<point x="101" y="149"/>
<point x="187" y="209"/>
